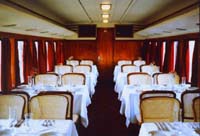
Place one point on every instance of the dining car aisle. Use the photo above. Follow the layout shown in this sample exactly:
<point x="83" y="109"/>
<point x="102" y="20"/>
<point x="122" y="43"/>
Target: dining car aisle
<point x="103" y="113"/>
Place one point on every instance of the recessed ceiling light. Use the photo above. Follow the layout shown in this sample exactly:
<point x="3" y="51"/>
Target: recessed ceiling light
<point x="181" y="29"/>
<point x="105" y="7"/>
<point x="10" y="25"/>
<point x="105" y="16"/>
<point x="105" y="21"/>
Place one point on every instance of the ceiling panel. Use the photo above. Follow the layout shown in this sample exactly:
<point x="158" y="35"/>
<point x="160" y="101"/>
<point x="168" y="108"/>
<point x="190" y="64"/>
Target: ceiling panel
<point x="55" y="15"/>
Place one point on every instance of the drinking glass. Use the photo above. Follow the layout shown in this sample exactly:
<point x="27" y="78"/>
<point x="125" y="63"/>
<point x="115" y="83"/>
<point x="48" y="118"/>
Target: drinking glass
<point x="183" y="80"/>
<point x="30" y="81"/>
<point x="12" y="117"/>
<point x="28" y="117"/>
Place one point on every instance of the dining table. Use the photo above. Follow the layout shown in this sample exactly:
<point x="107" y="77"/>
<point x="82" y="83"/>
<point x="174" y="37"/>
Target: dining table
<point x="32" y="127"/>
<point x="170" y="129"/>
<point x="130" y="99"/>
<point x="80" y="93"/>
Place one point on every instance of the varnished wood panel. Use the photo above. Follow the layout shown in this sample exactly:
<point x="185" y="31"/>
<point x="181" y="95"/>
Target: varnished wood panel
<point x="80" y="49"/>
<point x="105" y="38"/>
<point x="127" y="50"/>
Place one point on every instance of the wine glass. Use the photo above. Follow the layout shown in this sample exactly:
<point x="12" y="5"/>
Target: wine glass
<point x="28" y="117"/>
<point x="12" y="118"/>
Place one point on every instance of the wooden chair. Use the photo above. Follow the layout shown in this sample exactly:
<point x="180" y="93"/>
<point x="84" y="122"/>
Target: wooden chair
<point x="150" y="69"/>
<point x="129" y="68"/>
<point x="73" y="79"/>
<point x="82" y="69"/>
<point x="139" y="62"/>
<point x="165" y="79"/>
<point x="122" y="62"/>
<point x="23" y="94"/>
<point x="157" y="93"/>
<point x="49" y="106"/>
<point x="13" y="102"/>
<point x="72" y="62"/>
<point x="87" y="62"/>
<point x="187" y="100"/>
<point x="49" y="79"/>
<point x="159" y="109"/>
<point x="139" y="78"/>
<point x="62" y="69"/>
<point x="196" y="108"/>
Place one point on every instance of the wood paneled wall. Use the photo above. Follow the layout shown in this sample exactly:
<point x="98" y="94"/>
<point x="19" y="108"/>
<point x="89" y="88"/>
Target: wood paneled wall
<point x="124" y="49"/>
<point x="80" y="49"/>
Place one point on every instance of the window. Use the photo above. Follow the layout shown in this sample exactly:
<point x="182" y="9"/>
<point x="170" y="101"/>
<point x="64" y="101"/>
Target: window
<point x="20" y="46"/>
<point x="175" y="55"/>
<point x="36" y="46"/>
<point x="163" y="50"/>
<point x="54" y="44"/>
<point x="47" y="54"/>
<point x="190" y="55"/>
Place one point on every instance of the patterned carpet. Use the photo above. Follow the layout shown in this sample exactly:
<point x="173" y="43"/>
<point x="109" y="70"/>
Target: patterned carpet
<point x="103" y="113"/>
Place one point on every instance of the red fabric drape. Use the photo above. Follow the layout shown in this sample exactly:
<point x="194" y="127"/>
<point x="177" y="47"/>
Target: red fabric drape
<point x="148" y="49"/>
<point x="162" y="48"/>
<point x="6" y="67"/>
<point x="152" y="52"/>
<point x="194" y="79"/>
<point x="50" y="57"/>
<point x="59" y="52"/>
<point x="17" y="73"/>
<point x="167" y="57"/>
<point x="171" y="57"/>
<point x="187" y="62"/>
<point x="42" y="57"/>
<point x="35" y="63"/>
<point x="158" y="54"/>
<point x="27" y="60"/>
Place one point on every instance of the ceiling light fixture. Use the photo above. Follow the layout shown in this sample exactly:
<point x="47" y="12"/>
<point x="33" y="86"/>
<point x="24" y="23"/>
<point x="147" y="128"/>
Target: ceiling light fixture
<point x="105" y="21"/>
<point x="105" y="16"/>
<point x="105" y="7"/>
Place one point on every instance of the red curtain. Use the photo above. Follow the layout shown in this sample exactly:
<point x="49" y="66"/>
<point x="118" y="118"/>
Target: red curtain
<point x="17" y="73"/>
<point x="6" y="65"/>
<point x="27" y="60"/>
<point x="171" y="57"/>
<point x="194" y="79"/>
<point x="167" y="57"/>
<point x="42" y="57"/>
<point x="187" y="61"/>
<point x="50" y="56"/>
<point x="158" y="54"/>
<point x="35" y="63"/>
<point x="59" y="52"/>
<point x="152" y="52"/>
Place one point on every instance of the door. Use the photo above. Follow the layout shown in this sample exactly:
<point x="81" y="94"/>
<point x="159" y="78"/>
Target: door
<point x="105" y="38"/>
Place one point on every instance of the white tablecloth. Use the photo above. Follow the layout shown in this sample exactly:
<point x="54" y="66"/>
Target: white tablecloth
<point x="81" y="98"/>
<point x="171" y="129"/>
<point x="117" y="70"/>
<point x="130" y="99"/>
<point x="64" y="127"/>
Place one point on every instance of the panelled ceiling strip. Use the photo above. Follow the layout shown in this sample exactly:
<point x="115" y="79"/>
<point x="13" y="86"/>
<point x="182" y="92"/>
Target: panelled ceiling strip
<point x="126" y="10"/>
<point x="91" y="21"/>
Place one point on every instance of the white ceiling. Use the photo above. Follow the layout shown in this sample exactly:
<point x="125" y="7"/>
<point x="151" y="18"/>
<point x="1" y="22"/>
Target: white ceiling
<point x="51" y="17"/>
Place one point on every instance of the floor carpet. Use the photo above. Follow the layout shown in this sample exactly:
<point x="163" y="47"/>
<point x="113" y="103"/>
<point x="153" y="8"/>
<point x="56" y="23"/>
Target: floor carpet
<point x="103" y="113"/>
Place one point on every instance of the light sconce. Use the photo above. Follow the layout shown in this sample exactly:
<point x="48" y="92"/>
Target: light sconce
<point x="105" y="7"/>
